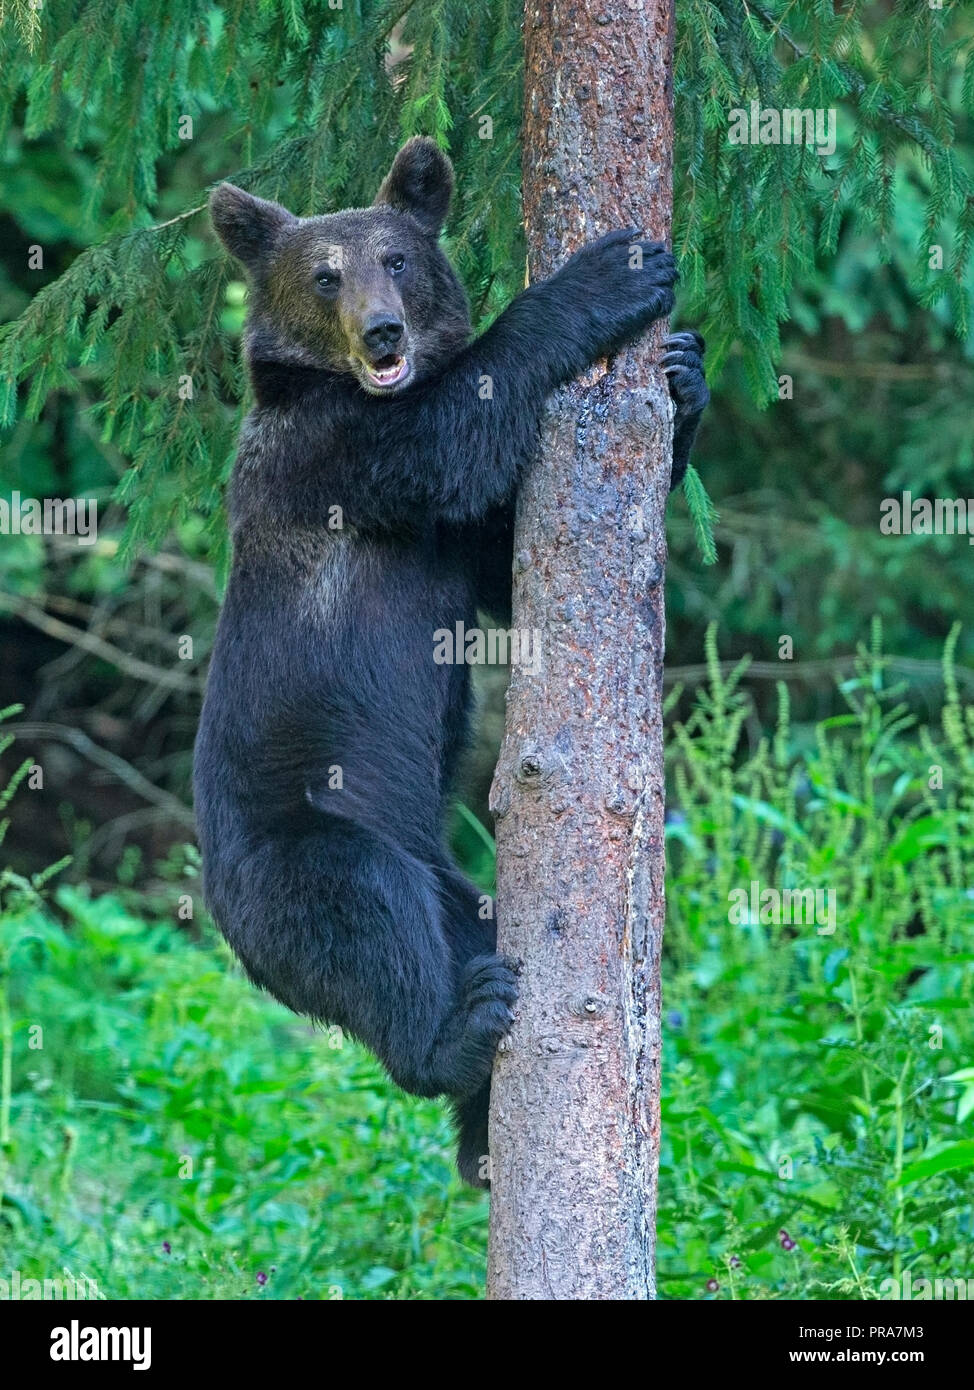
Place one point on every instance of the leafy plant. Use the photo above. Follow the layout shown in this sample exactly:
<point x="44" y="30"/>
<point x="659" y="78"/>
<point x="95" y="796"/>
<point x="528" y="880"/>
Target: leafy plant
<point x="811" y="1125"/>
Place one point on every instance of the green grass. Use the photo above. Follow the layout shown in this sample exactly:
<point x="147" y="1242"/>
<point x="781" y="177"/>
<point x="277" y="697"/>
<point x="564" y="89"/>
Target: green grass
<point x="178" y="1135"/>
<point x="170" y="1102"/>
<point x="807" y="1076"/>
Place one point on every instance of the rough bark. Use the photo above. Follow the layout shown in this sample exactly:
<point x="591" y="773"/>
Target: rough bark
<point x="578" y="792"/>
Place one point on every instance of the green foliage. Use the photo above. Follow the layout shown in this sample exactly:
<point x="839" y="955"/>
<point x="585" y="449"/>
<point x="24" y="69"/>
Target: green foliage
<point x="813" y="1076"/>
<point x="895" y="75"/>
<point x="814" y="1084"/>
<point x="703" y="514"/>
<point x="171" y="1103"/>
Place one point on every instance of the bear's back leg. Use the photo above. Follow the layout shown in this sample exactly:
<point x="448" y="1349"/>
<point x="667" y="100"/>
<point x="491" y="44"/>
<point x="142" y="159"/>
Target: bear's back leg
<point x="344" y="925"/>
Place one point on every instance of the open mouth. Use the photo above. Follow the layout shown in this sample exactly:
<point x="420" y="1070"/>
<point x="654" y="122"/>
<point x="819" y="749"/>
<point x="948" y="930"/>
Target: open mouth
<point x="387" y="371"/>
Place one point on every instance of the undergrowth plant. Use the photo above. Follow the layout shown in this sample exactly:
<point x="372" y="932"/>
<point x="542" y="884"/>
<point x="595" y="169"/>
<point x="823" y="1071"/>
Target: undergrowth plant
<point x="815" y="1146"/>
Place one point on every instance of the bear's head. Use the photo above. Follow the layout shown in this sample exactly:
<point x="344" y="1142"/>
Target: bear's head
<point x="366" y="292"/>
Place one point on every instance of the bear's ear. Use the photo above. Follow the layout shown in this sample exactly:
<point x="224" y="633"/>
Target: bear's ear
<point x="248" y="227"/>
<point x="420" y="182"/>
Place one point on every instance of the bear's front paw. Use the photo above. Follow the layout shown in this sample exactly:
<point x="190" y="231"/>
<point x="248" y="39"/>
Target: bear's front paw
<point x="625" y="282"/>
<point x="682" y="362"/>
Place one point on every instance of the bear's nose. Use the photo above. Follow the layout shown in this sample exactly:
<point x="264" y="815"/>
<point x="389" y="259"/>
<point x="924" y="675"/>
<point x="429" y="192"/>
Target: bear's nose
<point x="381" y="332"/>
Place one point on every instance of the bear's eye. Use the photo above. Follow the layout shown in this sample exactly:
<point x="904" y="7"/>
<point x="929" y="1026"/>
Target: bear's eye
<point x="326" y="278"/>
<point x="396" y="265"/>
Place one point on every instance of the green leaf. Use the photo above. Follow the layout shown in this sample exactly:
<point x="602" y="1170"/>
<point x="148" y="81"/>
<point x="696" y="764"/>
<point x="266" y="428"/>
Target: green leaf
<point x="703" y="514"/>
<point x="951" y="1159"/>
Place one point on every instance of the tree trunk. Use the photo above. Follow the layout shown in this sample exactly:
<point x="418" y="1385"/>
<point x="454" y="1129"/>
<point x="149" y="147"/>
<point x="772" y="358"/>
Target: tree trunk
<point x="578" y="792"/>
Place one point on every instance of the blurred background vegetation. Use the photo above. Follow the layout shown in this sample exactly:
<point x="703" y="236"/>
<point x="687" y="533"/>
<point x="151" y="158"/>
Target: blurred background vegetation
<point x="814" y="1085"/>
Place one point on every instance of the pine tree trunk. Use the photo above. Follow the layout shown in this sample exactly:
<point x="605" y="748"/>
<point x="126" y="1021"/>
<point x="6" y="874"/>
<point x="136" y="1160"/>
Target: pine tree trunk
<point x="578" y="792"/>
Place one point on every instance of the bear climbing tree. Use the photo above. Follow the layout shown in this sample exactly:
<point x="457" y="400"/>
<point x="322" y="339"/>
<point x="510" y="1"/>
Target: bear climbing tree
<point x="578" y="793"/>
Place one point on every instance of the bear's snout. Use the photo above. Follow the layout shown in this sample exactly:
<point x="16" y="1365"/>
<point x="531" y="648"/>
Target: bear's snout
<point x="382" y="333"/>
